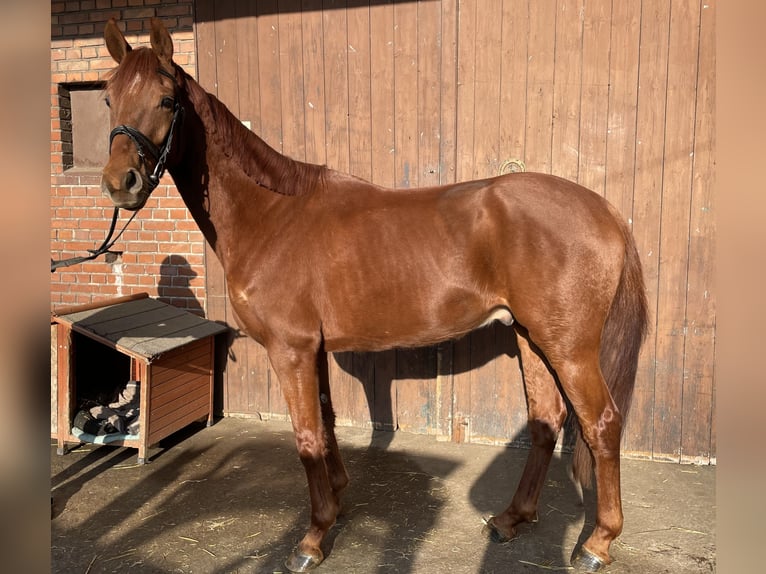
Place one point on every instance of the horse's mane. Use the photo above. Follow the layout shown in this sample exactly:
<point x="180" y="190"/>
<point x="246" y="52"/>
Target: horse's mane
<point x="262" y="163"/>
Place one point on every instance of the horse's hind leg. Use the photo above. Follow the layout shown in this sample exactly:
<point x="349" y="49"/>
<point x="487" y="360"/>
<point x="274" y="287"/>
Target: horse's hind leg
<point x="601" y="425"/>
<point x="335" y="467"/>
<point x="547" y="412"/>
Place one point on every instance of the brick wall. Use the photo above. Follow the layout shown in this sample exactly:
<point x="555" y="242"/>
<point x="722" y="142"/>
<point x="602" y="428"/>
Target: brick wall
<point x="162" y="249"/>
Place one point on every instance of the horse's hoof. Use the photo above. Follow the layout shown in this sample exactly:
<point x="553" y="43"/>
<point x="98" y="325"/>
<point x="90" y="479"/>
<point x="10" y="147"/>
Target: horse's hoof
<point x="300" y="562"/>
<point x="492" y="532"/>
<point x="586" y="561"/>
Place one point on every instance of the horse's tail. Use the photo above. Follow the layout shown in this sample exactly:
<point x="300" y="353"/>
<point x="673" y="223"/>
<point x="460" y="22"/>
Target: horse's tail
<point x="621" y="339"/>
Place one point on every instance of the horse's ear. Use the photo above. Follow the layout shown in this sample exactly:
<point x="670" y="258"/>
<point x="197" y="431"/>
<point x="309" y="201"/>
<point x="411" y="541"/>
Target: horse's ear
<point x="162" y="43"/>
<point x="115" y="42"/>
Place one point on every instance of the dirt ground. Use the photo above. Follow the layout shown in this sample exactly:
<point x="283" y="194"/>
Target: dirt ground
<point x="233" y="498"/>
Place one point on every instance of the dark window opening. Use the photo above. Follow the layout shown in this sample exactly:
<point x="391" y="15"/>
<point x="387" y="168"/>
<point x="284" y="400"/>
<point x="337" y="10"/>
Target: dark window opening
<point x="84" y="125"/>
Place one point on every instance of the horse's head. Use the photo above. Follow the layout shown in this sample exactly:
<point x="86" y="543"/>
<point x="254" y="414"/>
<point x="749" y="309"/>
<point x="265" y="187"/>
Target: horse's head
<point x="145" y="112"/>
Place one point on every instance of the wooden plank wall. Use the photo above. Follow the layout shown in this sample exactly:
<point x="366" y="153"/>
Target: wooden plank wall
<point x="619" y="96"/>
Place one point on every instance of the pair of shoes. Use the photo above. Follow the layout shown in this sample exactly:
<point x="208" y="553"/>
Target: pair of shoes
<point x="129" y="396"/>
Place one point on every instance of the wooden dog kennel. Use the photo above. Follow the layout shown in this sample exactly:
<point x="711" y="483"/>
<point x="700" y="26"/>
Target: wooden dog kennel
<point x="169" y="351"/>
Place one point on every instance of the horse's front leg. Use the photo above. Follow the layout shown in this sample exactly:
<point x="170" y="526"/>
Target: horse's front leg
<point x="299" y="378"/>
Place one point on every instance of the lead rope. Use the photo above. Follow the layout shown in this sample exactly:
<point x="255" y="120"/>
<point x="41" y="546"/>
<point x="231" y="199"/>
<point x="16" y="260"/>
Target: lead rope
<point x="104" y="248"/>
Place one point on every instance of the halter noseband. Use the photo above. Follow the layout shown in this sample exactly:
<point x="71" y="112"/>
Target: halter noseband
<point x="144" y="145"/>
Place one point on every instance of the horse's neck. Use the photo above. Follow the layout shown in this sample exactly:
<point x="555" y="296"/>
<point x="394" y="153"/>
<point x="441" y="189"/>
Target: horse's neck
<point x="246" y="151"/>
<point x="223" y="191"/>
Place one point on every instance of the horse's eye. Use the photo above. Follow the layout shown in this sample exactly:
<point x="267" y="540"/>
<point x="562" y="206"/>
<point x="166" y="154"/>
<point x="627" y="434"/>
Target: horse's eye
<point x="168" y="103"/>
<point x="108" y="102"/>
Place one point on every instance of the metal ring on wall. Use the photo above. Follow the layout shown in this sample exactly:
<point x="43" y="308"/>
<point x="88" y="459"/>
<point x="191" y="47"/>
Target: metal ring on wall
<point x="511" y="166"/>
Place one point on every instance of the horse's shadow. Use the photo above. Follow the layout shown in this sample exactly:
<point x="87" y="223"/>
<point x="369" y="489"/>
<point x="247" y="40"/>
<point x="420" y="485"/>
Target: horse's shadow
<point x="566" y="514"/>
<point x="561" y="506"/>
<point x="379" y="372"/>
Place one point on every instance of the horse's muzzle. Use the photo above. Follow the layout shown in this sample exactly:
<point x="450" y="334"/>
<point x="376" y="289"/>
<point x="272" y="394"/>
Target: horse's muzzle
<point x="128" y="190"/>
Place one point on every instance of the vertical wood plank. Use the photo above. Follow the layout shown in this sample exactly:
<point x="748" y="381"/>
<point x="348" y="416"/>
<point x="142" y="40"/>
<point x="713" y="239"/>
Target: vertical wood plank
<point x="542" y="38"/>
<point x="406" y="170"/>
<point x="447" y="159"/>
<point x="215" y="287"/>
<point x="513" y="70"/>
<point x="466" y="71"/>
<point x="382" y="108"/>
<point x="270" y="101"/>
<point x="487" y="90"/>
<point x="291" y="79"/>
<point x="464" y="166"/>
<point x="336" y="79"/>
<point x="595" y="94"/>
<point x="638" y="435"/>
<point x="359" y="88"/>
<point x="381" y="94"/>
<point x="313" y="81"/>
<point x="448" y="94"/>
<point x="269" y="77"/>
<point x="674" y="234"/>
<point x="412" y="394"/>
<point x="207" y="73"/>
<point x="346" y="43"/>
<point x="699" y="374"/>
<point x="488" y="397"/>
<point x="623" y="98"/>
<point x="247" y="63"/>
<point x="257" y="375"/>
<point x="428" y="91"/>
<point x="228" y="91"/>
<point x="227" y="56"/>
<point x="565" y="153"/>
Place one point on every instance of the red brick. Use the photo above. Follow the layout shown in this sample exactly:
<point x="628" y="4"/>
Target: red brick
<point x="145" y="246"/>
<point x="174" y="10"/>
<point x="100" y="64"/>
<point x="73" y="17"/>
<point x="137" y="13"/>
<point x="180" y="237"/>
<point x="158" y="224"/>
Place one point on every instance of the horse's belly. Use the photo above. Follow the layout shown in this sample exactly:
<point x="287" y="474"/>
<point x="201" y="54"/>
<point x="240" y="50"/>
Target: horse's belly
<point x="378" y="332"/>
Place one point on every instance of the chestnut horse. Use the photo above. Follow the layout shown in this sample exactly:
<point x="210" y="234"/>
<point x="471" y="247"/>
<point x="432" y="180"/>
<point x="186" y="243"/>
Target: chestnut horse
<point x="318" y="261"/>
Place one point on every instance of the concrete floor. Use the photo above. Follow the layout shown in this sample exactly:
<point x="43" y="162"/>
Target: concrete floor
<point x="233" y="498"/>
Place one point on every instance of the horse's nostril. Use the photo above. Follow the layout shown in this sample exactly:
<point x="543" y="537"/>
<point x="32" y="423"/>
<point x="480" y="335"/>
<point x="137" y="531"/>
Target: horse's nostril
<point x="130" y="179"/>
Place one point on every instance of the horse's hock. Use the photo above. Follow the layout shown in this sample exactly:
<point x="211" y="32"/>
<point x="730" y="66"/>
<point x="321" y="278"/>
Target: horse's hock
<point x="129" y="372"/>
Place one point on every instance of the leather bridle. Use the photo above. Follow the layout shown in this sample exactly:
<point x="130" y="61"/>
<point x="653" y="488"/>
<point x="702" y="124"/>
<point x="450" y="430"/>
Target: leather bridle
<point x="144" y="146"/>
